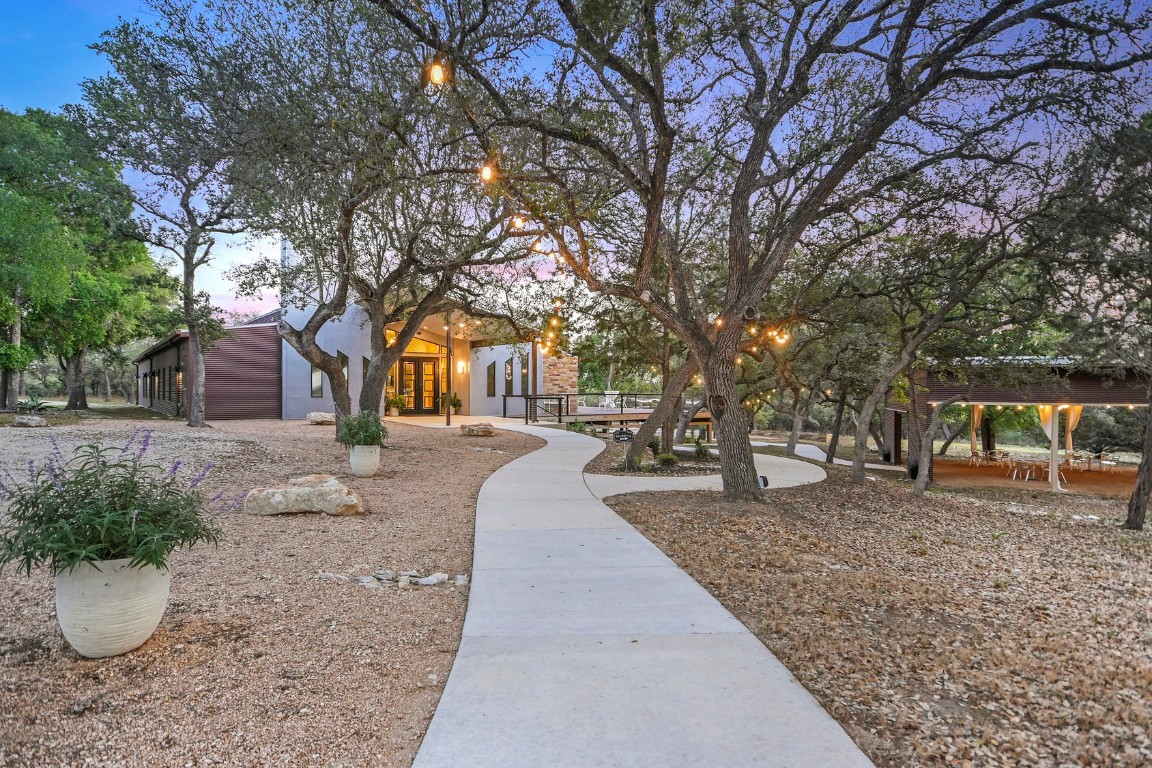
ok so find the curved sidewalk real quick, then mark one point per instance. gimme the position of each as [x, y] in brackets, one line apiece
[584, 645]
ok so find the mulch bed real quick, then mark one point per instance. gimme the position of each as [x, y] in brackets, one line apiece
[610, 461]
[1011, 628]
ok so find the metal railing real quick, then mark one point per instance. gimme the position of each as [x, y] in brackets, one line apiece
[536, 407]
[567, 404]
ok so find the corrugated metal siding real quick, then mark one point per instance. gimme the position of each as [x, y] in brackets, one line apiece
[242, 375]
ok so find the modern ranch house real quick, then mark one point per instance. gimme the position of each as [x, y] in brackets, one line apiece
[253, 373]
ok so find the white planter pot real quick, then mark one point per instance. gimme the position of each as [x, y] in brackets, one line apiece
[393, 411]
[365, 460]
[107, 608]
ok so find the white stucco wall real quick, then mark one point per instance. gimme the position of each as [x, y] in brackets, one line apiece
[351, 335]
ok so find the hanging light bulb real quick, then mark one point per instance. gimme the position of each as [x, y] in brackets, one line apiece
[518, 221]
[437, 71]
[488, 171]
[555, 322]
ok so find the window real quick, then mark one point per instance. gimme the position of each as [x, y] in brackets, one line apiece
[343, 360]
[508, 376]
[492, 379]
[523, 379]
[317, 382]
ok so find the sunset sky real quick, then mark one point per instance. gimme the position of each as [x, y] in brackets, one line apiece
[44, 56]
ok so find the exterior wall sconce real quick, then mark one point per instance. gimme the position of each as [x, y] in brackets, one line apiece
[460, 366]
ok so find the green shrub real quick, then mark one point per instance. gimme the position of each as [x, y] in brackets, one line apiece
[701, 451]
[576, 426]
[102, 504]
[362, 429]
[667, 459]
[654, 445]
[394, 401]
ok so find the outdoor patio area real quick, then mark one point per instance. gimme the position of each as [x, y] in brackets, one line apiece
[1109, 481]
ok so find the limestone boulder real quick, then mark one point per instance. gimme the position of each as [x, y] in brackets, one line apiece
[483, 429]
[29, 421]
[312, 493]
[319, 417]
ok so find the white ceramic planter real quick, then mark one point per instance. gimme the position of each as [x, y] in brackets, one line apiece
[393, 411]
[107, 608]
[365, 460]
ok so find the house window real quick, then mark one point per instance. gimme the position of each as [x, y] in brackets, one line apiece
[508, 376]
[523, 379]
[492, 379]
[317, 382]
[343, 360]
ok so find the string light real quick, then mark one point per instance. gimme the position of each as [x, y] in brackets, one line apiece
[518, 221]
[488, 171]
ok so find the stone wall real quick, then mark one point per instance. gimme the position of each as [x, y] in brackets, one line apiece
[561, 375]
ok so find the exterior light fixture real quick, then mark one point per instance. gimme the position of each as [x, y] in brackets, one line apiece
[460, 367]
[437, 71]
[488, 171]
[555, 322]
[518, 221]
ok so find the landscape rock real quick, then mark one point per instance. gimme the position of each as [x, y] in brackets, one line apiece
[483, 429]
[319, 417]
[313, 493]
[29, 421]
[433, 580]
[404, 580]
[384, 575]
[462, 580]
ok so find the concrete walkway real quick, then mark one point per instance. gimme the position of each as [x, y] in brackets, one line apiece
[780, 472]
[585, 646]
[809, 451]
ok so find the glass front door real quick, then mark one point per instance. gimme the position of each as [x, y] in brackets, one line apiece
[420, 385]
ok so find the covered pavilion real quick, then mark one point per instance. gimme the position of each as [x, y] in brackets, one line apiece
[1054, 386]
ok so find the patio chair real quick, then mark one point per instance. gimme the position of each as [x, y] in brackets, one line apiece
[977, 458]
[608, 399]
[1107, 463]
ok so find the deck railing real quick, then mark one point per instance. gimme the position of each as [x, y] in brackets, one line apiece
[568, 404]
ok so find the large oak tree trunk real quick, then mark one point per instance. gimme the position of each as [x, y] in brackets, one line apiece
[673, 389]
[737, 465]
[860, 450]
[926, 438]
[15, 333]
[1138, 501]
[797, 424]
[837, 424]
[74, 381]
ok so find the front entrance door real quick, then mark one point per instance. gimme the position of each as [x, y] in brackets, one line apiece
[420, 385]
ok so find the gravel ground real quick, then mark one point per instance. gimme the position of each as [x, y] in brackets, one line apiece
[985, 628]
[269, 653]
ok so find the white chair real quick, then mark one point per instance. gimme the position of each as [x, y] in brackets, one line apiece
[608, 400]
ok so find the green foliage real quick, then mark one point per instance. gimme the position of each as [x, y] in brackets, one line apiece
[32, 404]
[1104, 430]
[667, 459]
[394, 401]
[576, 426]
[654, 445]
[364, 428]
[104, 503]
[15, 358]
[701, 451]
[453, 401]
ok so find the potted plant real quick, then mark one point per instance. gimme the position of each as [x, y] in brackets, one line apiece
[394, 403]
[455, 402]
[363, 434]
[105, 522]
